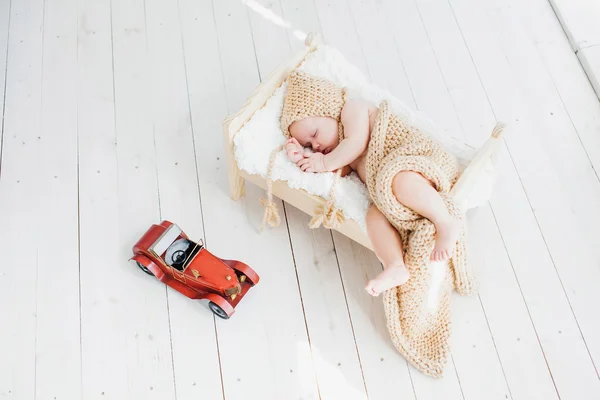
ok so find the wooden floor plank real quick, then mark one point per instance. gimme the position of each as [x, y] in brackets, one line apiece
[333, 348]
[380, 361]
[105, 368]
[124, 318]
[191, 323]
[472, 342]
[112, 117]
[301, 18]
[477, 118]
[551, 313]
[384, 62]
[566, 199]
[337, 27]
[138, 161]
[179, 195]
[431, 95]
[581, 121]
[19, 202]
[4, 28]
[566, 72]
[277, 359]
[58, 367]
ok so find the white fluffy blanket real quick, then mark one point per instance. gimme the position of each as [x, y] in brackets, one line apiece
[261, 134]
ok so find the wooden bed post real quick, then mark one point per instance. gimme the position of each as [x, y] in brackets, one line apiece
[256, 101]
[485, 156]
[236, 182]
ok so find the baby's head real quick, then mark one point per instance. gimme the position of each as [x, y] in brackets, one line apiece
[311, 112]
[320, 133]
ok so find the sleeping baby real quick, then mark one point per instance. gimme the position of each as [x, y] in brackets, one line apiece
[405, 171]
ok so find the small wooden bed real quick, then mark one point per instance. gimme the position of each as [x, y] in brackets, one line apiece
[469, 179]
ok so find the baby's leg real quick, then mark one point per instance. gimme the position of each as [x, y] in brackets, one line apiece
[417, 193]
[388, 248]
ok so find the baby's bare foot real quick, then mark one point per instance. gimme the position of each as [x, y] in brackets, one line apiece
[390, 277]
[446, 236]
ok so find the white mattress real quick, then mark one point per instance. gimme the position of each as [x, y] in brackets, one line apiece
[261, 134]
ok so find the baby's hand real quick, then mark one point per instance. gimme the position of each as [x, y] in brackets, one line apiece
[295, 151]
[313, 163]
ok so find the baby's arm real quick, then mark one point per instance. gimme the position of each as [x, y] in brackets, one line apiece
[355, 119]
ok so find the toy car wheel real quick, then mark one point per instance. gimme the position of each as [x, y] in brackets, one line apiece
[143, 268]
[217, 310]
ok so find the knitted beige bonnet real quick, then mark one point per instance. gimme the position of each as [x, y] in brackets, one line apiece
[308, 96]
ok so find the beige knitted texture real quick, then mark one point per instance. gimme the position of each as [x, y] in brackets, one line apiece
[310, 96]
[418, 329]
[307, 96]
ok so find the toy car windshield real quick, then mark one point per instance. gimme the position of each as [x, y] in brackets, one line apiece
[175, 250]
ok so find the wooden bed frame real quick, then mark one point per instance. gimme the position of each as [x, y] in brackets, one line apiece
[300, 198]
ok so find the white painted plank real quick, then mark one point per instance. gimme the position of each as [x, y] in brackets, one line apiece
[19, 202]
[550, 311]
[192, 324]
[386, 68]
[574, 185]
[58, 361]
[579, 19]
[268, 27]
[233, 49]
[337, 27]
[565, 72]
[427, 83]
[385, 371]
[204, 84]
[138, 192]
[277, 360]
[302, 19]
[521, 359]
[332, 344]
[4, 26]
[572, 113]
[590, 60]
[105, 311]
[514, 334]
[471, 337]
[332, 340]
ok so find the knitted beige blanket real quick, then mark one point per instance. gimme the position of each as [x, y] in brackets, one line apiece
[418, 312]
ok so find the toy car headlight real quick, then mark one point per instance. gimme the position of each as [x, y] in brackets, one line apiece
[234, 290]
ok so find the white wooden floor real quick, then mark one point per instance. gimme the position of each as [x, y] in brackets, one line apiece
[111, 121]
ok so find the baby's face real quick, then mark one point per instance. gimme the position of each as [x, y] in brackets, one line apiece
[320, 133]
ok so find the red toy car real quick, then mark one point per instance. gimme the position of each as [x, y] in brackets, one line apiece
[167, 253]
